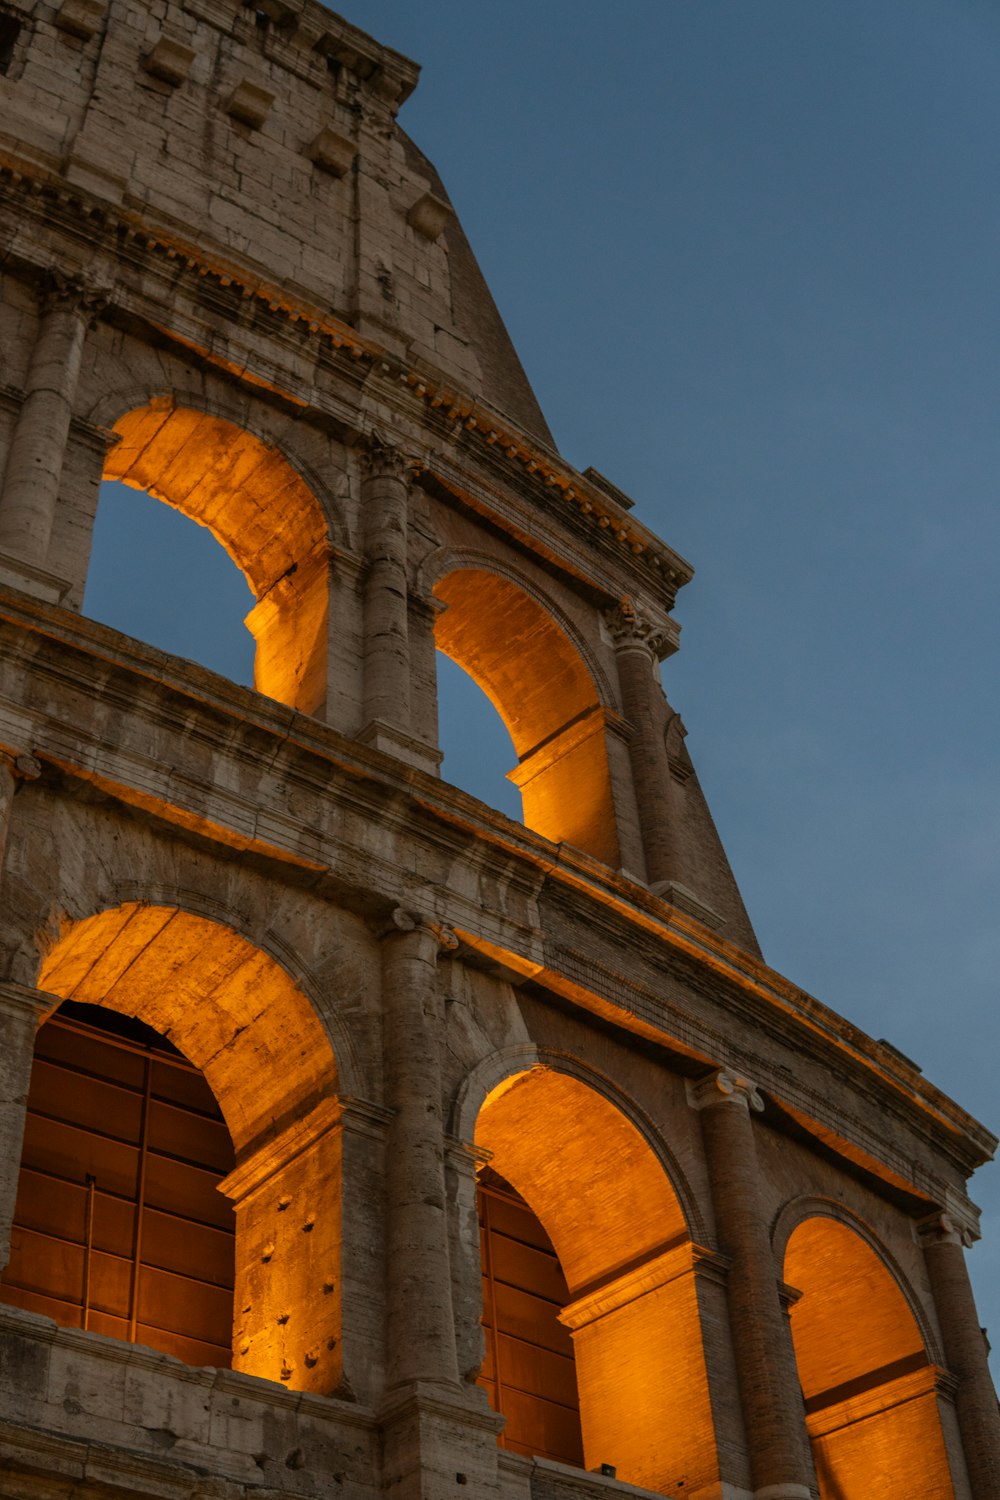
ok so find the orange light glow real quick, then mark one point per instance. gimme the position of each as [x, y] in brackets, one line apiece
[870, 1391]
[617, 1227]
[536, 679]
[265, 516]
[240, 1019]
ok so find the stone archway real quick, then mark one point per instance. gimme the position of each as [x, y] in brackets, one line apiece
[262, 512]
[241, 1020]
[871, 1390]
[624, 1246]
[537, 679]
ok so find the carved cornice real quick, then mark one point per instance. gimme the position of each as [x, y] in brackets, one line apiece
[132, 238]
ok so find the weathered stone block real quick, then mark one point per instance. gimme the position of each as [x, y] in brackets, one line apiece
[80, 18]
[429, 215]
[334, 152]
[249, 103]
[169, 60]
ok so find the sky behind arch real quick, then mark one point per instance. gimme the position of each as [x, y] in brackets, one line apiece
[748, 255]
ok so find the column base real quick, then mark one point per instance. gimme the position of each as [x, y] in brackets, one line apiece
[17, 574]
[435, 1437]
[402, 746]
[783, 1492]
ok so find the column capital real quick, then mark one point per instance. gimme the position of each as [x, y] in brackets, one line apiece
[634, 629]
[944, 1229]
[381, 458]
[73, 293]
[403, 921]
[21, 765]
[725, 1087]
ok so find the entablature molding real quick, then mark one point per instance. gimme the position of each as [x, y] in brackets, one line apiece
[121, 239]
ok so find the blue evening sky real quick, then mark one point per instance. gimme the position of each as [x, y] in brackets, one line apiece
[748, 251]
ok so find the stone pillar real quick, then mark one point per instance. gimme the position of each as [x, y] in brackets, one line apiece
[287, 1302]
[420, 1328]
[38, 447]
[770, 1394]
[638, 645]
[21, 1011]
[965, 1351]
[385, 505]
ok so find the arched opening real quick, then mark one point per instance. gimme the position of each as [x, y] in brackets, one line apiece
[118, 1226]
[538, 682]
[870, 1389]
[615, 1226]
[156, 575]
[240, 1020]
[478, 751]
[529, 1373]
[265, 516]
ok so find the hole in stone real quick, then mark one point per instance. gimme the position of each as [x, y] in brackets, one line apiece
[10, 30]
[159, 576]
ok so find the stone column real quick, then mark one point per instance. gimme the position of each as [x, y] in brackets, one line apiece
[37, 450]
[21, 1011]
[638, 645]
[965, 1351]
[420, 1328]
[770, 1394]
[385, 502]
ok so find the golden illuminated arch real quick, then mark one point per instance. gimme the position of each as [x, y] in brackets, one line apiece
[228, 1006]
[262, 512]
[620, 1235]
[870, 1390]
[536, 678]
[239, 1017]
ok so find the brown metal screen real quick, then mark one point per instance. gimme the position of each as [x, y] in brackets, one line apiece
[118, 1225]
[528, 1373]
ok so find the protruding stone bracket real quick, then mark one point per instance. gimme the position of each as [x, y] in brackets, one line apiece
[331, 151]
[725, 1087]
[429, 216]
[80, 18]
[169, 60]
[249, 103]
